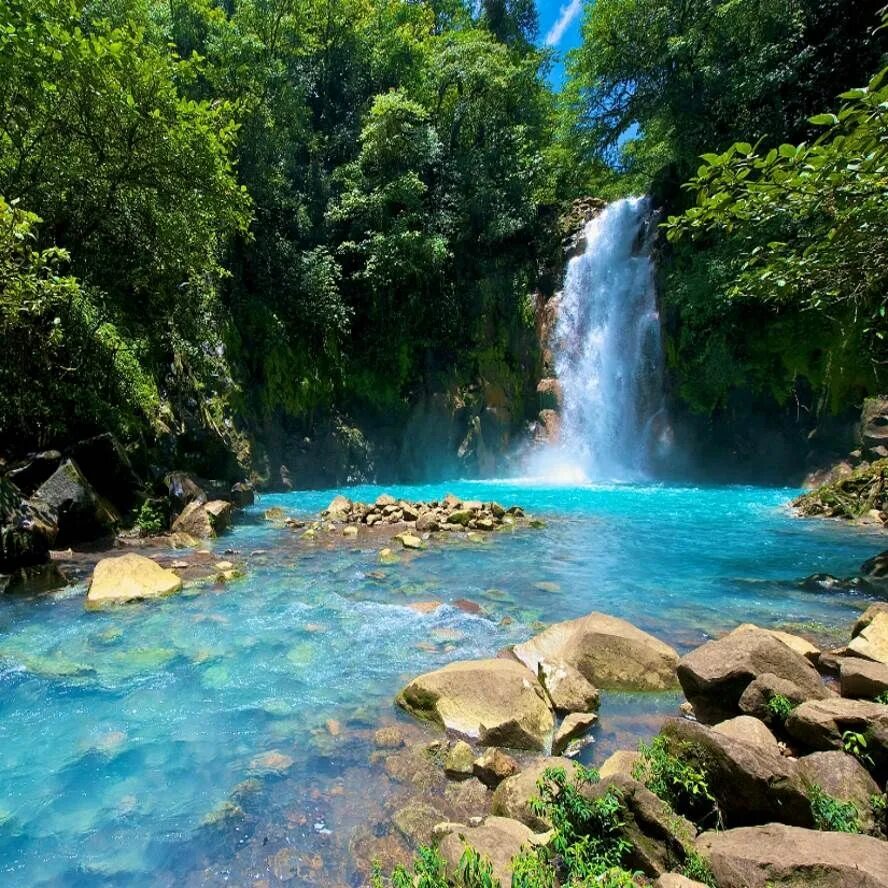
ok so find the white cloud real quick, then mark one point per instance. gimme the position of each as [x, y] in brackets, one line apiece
[566, 16]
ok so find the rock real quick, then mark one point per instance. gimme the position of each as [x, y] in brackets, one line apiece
[385, 499]
[607, 651]
[460, 517]
[350, 530]
[27, 529]
[880, 607]
[841, 776]
[387, 556]
[715, 675]
[751, 783]
[408, 510]
[409, 541]
[416, 821]
[749, 730]
[876, 568]
[676, 880]
[203, 520]
[862, 678]
[820, 724]
[575, 725]
[182, 489]
[780, 856]
[754, 700]
[389, 737]
[872, 641]
[425, 607]
[129, 578]
[620, 762]
[497, 839]
[106, 465]
[513, 796]
[427, 522]
[28, 475]
[550, 394]
[80, 513]
[243, 494]
[567, 689]
[339, 508]
[494, 766]
[460, 760]
[657, 838]
[800, 645]
[874, 422]
[496, 702]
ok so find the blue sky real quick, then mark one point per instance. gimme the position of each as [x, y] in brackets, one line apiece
[560, 28]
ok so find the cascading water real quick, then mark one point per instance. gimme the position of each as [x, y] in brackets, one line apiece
[608, 354]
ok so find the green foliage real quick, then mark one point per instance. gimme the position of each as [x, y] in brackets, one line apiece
[672, 775]
[831, 814]
[856, 743]
[696, 868]
[780, 707]
[882, 698]
[150, 520]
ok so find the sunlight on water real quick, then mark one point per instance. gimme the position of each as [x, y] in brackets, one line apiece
[129, 736]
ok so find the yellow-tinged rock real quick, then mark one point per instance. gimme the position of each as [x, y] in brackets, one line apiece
[129, 578]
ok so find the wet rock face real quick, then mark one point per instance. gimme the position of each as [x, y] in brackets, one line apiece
[789, 857]
[496, 702]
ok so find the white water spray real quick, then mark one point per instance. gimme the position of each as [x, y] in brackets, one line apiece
[608, 354]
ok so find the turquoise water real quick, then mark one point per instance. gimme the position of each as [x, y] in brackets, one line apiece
[127, 736]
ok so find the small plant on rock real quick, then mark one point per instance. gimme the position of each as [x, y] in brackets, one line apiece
[678, 782]
[780, 707]
[882, 698]
[855, 743]
[150, 520]
[697, 869]
[832, 815]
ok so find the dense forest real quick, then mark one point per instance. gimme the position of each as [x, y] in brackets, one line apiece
[228, 225]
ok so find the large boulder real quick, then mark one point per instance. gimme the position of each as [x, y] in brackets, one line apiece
[872, 640]
[339, 508]
[27, 529]
[657, 839]
[203, 520]
[105, 463]
[607, 651]
[822, 725]
[715, 675]
[567, 689]
[129, 578]
[862, 678]
[496, 839]
[513, 796]
[842, 777]
[80, 513]
[880, 607]
[751, 783]
[182, 489]
[800, 645]
[749, 730]
[780, 856]
[495, 702]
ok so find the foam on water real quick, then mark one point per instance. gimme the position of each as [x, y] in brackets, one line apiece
[125, 732]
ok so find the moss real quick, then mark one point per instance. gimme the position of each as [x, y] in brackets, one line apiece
[851, 496]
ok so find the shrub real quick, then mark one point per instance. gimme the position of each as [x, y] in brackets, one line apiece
[831, 814]
[855, 743]
[150, 519]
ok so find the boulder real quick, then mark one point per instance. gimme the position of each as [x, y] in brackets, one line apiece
[427, 522]
[800, 645]
[497, 839]
[459, 761]
[607, 651]
[715, 675]
[754, 700]
[496, 702]
[821, 724]
[243, 494]
[27, 529]
[106, 465]
[385, 499]
[780, 856]
[862, 678]
[575, 725]
[493, 766]
[129, 578]
[843, 777]
[880, 607]
[567, 689]
[410, 541]
[80, 513]
[182, 489]
[513, 796]
[751, 783]
[203, 520]
[29, 474]
[339, 508]
[676, 880]
[875, 569]
[749, 730]
[657, 839]
[622, 761]
[872, 641]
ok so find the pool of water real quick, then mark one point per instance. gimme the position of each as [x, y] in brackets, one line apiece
[190, 741]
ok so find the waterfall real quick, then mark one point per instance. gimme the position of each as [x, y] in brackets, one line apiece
[608, 353]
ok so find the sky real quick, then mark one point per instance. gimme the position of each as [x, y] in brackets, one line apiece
[560, 29]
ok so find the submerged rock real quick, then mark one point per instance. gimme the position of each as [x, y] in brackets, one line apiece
[779, 856]
[608, 652]
[496, 702]
[129, 578]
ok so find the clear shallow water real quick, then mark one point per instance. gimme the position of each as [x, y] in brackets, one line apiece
[124, 734]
